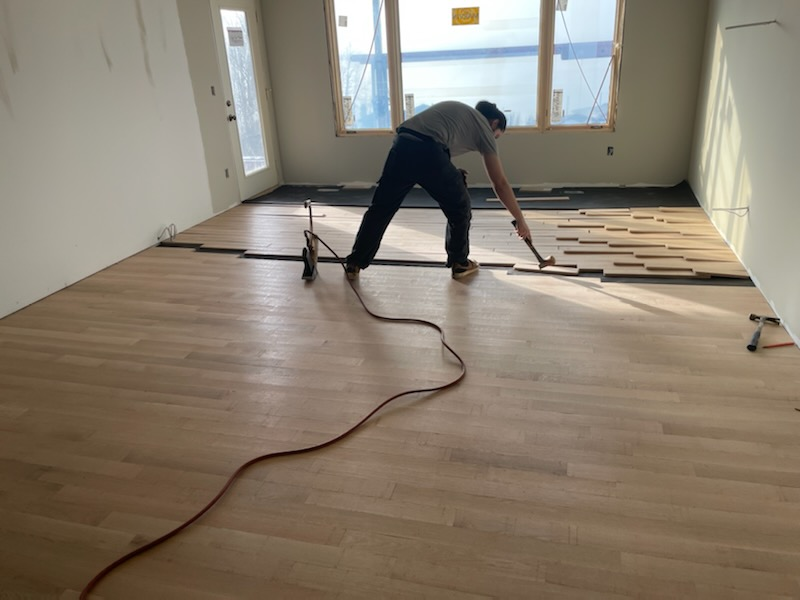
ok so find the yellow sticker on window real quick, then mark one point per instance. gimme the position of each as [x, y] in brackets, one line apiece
[466, 16]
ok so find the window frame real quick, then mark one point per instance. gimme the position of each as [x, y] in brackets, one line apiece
[545, 72]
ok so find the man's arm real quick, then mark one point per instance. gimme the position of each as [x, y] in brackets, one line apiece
[494, 168]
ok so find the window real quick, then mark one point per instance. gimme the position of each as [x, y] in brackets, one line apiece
[549, 64]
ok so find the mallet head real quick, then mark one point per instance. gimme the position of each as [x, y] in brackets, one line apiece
[549, 261]
[775, 320]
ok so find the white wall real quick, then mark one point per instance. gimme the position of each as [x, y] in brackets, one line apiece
[201, 53]
[660, 74]
[745, 148]
[99, 140]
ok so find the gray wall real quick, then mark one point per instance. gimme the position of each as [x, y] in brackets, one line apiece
[99, 139]
[745, 147]
[660, 70]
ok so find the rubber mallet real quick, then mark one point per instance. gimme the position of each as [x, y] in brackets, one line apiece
[757, 333]
[543, 262]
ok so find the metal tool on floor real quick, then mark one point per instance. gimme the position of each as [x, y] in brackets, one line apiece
[543, 262]
[753, 345]
[310, 252]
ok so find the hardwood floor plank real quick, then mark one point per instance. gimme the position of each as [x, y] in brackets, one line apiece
[415, 234]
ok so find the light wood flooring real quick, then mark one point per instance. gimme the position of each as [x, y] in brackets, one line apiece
[653, 243]
[610, 440]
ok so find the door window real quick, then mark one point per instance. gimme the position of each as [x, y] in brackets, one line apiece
[245, 95]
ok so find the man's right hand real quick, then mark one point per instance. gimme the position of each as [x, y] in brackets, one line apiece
[522, 229]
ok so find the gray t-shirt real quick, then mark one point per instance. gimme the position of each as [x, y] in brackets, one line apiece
[456, 125]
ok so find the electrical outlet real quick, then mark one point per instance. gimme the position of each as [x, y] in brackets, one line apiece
[610, 151]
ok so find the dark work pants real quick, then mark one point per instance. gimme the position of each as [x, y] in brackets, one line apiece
[427, 163]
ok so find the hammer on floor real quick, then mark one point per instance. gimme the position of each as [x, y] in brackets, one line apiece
[757, 333]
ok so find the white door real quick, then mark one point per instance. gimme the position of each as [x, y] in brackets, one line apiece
[247, 94]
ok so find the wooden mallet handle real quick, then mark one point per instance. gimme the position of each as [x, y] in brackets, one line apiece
[543, 262]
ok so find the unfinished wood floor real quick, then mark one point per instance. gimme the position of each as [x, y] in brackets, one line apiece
[653, 243]
[610, 440]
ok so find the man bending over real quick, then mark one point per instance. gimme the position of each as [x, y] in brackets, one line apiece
[421, 154]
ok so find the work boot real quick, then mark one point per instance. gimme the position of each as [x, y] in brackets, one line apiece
[465, 269]
[351, 271]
